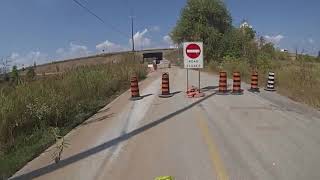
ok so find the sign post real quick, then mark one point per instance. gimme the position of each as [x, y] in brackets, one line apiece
[193, 57]
[187, 79]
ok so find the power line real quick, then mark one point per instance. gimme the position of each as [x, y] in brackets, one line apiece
[99, 18]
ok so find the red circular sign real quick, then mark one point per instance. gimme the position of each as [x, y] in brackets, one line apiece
[193, 51]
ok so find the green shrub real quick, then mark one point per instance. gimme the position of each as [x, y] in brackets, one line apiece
[61, 101]
[299, 80]
[231, 64]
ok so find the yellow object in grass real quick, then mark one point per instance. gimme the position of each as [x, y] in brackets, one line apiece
[164, 178]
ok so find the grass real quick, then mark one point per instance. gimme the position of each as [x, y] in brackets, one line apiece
[29, 110]
[296, 79]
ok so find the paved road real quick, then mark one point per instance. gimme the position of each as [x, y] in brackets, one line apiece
[252, 136]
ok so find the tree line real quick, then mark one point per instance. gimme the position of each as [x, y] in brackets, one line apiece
[210, 21]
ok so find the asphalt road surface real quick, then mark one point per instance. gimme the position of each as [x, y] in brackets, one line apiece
[251, 136]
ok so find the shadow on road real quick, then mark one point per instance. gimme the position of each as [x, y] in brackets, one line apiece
[144, 96]
[72, 159]
[95, 120]
[209, 88]
[176, 92]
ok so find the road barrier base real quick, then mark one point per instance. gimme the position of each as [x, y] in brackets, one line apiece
[254, 90]
[136, 98]
[237, 93]
[194, 92]
[222, 93]
[165, 96]
[195, 95]
[199, 95]
[272, 90]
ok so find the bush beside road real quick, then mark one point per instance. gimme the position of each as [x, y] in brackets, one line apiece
[241, 49]
[298, 80]
[28, 111]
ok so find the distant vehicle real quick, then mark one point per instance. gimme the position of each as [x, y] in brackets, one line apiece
[164, 64]
[284, 50]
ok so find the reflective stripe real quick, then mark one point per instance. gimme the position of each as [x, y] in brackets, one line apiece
[193, 51]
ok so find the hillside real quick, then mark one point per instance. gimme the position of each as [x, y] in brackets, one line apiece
[61, 66]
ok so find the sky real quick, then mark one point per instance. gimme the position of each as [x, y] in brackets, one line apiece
[51, 30]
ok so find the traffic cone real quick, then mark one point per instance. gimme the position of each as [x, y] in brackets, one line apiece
[135, 95]
[223, 86]
[165, 86]
[254, 82]
[237, 84]
[271, 83]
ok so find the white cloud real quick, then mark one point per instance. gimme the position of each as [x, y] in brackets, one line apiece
[140, 40]
[73, 51]
[168, 42]
[60, 51]
[108, 46]
[155, 28]
[28, 59]
[167, 39]
[274, 39]
[310, 40]
[14, 55]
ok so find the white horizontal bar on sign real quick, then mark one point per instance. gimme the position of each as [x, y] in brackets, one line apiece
[270, 77]
[193, 51]
[270, 82]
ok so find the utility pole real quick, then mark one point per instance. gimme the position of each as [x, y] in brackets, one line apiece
[132, 38]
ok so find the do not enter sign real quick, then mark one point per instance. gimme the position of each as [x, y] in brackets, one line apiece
[193, 55]
[193, 51]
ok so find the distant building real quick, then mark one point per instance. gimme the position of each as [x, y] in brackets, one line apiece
[284, 50]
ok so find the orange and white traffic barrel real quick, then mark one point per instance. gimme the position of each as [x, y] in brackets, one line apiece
[254, 82]
[271, 82]
[223, 86]
[135, 94]
[237, 84]
[165, 86]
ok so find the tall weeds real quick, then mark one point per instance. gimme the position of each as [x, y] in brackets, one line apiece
[298, 80]
[28, 110]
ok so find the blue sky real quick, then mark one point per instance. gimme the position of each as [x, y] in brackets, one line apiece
[46, 30]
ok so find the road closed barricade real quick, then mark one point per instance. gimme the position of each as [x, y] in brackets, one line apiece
[134, 84]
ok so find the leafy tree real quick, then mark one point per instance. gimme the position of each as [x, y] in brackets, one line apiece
[5, 65]
[31, 73]
[249, 32]
[15, 75]
[203, 20]
[238, 43]
[261, 41]
[268, 48]
[231, 44]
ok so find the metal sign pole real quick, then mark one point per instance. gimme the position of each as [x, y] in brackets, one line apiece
[187, 79]
[199, 81]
